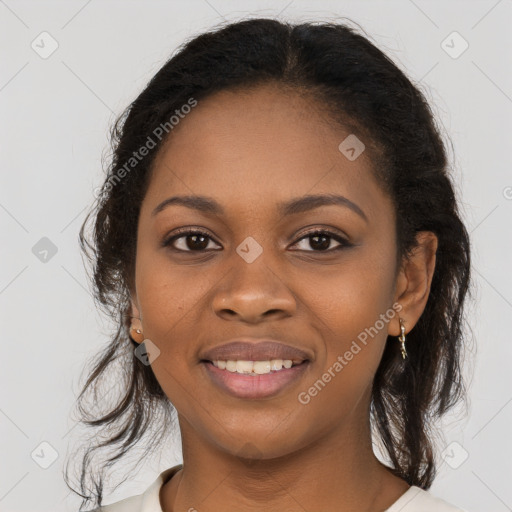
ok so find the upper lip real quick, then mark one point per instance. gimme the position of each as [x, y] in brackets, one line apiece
[254, 350]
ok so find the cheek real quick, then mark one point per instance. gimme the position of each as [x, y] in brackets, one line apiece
[167, 303]
[353, 309]
[164, 292]
[350, 297]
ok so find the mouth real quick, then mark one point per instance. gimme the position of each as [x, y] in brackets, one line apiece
[254, 379]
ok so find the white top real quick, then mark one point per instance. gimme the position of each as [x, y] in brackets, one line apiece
[414, 499]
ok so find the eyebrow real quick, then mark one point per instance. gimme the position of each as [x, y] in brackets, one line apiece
[298, 205]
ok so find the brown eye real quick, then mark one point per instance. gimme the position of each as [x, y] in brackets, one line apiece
[193, 241]
[321, 241]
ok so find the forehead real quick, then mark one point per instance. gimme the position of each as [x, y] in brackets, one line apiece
[257, 147]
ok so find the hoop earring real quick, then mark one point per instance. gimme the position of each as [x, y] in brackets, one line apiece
[401, 339]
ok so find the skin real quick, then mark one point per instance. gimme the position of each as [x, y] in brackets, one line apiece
[250, 151]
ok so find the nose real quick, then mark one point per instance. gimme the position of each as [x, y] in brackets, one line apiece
[252, 292]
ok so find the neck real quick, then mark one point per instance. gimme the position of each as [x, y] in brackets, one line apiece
[337, 472]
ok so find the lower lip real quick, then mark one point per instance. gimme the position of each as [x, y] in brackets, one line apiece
[250, 386]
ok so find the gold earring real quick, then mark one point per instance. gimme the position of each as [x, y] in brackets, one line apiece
[401, 338]
[136, 333]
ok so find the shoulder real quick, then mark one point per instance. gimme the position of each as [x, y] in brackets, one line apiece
[149, 501]
[132, 504]
[416, 499]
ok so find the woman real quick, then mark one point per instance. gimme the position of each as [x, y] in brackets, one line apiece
[279, 242]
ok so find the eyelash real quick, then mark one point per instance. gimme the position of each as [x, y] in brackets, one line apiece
[188, 232]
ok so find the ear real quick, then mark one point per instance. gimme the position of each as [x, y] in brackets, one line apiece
[135, 321]
[414, 281]
[135, 313]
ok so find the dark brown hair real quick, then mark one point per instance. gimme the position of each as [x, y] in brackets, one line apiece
[355, 83]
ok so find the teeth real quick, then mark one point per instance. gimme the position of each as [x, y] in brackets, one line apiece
[244, 366]
[261, 367]
[254, 367]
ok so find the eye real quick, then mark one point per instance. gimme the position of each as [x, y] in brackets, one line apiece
[198, 241]
[194, 241]
[321, 240]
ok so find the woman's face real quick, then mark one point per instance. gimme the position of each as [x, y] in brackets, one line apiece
[257, 275]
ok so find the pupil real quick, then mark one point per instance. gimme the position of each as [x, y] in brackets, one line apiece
[323, 245]
[195, 237]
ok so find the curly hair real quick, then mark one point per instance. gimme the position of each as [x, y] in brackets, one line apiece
[356, 85]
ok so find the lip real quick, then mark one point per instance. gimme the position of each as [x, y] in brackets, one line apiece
[247, 349]
[254, 386]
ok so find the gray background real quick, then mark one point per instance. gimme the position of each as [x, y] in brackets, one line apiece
[55, 114]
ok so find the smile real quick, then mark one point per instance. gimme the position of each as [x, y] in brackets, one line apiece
[255, 367]
[254, 379]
